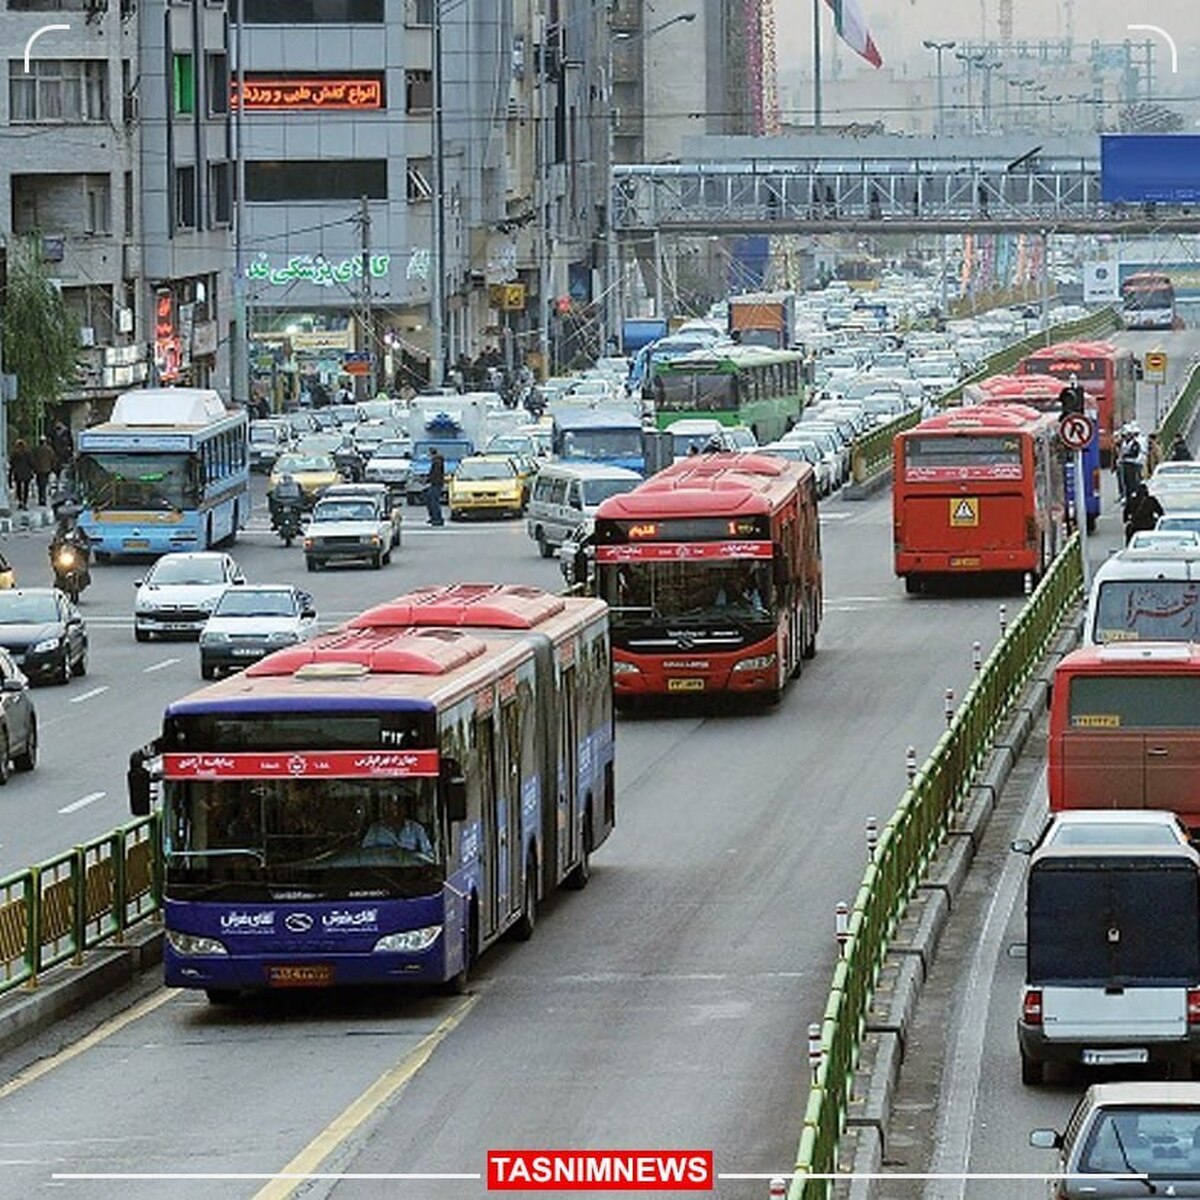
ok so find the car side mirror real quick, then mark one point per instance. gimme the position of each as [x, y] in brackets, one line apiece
[308, 612]
[1022, 846]
[137, 779]
[239, 579]
[454, 790]
[138, 582]
[13, 683]
[1045, 1139]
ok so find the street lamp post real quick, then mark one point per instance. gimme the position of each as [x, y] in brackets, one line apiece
[939, 48]
[969, 61]
[239, 365]
[987, 66]
[613, 272]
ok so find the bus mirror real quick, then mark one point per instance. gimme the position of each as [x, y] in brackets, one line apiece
[780, 569]
[137, 780]
[454, 790]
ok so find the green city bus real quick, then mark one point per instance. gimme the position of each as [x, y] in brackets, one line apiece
[738, 385]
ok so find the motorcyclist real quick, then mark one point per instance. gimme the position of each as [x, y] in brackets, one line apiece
[68, 534]
[285, 495]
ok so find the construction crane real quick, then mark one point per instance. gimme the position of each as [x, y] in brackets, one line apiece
[771, 116]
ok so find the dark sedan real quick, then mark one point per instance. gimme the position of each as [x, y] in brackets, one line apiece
[44, 633]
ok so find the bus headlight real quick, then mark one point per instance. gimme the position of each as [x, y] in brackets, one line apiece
[625, 668]
[763, 662]
[192, 944]
[409, 941]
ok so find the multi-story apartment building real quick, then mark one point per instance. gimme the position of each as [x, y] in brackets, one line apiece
[86, 133]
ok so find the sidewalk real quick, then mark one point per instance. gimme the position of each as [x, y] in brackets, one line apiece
[16, 520]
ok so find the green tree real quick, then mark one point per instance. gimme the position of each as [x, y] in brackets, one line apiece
[39, 337]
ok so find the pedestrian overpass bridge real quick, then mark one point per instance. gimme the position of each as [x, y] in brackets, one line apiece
[879, 195]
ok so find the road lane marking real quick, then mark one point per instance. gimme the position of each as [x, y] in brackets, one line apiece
[166, 662]
[83, 802]
[96, 691]
[359, 1111]
[962, 1074]
[98, 1035]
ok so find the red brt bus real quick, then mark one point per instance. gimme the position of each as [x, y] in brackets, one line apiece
[977, 489]
[1103, 370]
[712, 573]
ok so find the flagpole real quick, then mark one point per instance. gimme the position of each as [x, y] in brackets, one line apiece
[816, 66]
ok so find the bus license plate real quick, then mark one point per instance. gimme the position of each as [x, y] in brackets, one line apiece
[965, 560]
[1112, 1058]
[298, 975]
[137, 543]
[685, 685]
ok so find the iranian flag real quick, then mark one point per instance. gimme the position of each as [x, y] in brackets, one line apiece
[852, 29]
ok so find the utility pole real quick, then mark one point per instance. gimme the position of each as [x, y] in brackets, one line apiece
[367, 319]
[939, 48]
[543, 203]
[239, 367]
[816, 43]
[437, 274]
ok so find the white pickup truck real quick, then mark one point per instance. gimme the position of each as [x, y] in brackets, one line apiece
[349, 529]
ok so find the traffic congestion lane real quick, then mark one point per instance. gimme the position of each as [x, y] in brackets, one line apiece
[666, 1005]
[89, 727]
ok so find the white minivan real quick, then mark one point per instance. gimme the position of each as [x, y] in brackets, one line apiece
[563, 495]
[1145, 595]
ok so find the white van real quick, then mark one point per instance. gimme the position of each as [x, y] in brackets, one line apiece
[563, 495]
[1145, 595]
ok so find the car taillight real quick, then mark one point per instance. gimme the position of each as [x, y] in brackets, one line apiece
[1193, 1006]
[1031, 1006]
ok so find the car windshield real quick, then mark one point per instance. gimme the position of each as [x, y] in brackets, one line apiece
[602, 443]
[265, 433]
[321, 443]
[472, 472]
[596, 491]
[1162, 1142]
[23, 609]
[513, 445]
[241, 602]
[294, 463]
[393, 450]
[185, 569]
[344, 510]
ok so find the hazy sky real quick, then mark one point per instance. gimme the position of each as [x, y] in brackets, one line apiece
[899, 26]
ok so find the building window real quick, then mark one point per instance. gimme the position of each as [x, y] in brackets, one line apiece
[97, 194]
[129, 204]
[50, 5]
[70, 91]
[420, 172]
[418, 91]
[217, 78]
[313, 12]
[319, 179]
[420, 12]
[185, 197]
[183, 84]
[220, 191]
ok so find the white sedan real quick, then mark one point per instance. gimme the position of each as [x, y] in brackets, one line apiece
[177, 595]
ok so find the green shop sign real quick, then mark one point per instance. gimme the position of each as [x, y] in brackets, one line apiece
[309, 268]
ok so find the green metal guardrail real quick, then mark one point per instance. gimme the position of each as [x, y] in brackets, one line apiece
[872, 455]
[905, 848]
[1179, 417]
[56, 910]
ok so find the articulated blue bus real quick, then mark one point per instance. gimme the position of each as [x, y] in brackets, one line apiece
[381, 804]
[169, 471]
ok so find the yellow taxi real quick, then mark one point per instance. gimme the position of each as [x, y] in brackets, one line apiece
[313, 472]
[486, 483]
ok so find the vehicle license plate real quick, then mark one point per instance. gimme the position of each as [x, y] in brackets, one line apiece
[300, 975]
[966, 560]
[137, 543]
[245, 652]
[178, 627]
[685, 685]
[1109, 1058]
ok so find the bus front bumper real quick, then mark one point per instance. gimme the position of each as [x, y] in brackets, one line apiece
[755, 671]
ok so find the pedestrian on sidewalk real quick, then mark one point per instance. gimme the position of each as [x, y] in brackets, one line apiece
[433, 489]
[20, 471]
[44, 462]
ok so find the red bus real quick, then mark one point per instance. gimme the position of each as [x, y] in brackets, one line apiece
[1103, 370]
[712, 573]
[977, 489]
[1042, 392]
[1125, 729]
[380, 804]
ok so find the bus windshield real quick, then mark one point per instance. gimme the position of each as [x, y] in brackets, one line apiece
[689, 593]
[131, 481]
[300, 832]
[993, 457]
[1162, 610]
[602, 443]
[1156, 294]
[695, 391]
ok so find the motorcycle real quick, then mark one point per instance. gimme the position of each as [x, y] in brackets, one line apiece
[285, 520]
[70, 561]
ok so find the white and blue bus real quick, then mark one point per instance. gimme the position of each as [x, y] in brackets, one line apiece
[169, 471]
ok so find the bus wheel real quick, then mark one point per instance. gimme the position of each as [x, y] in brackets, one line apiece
[522, 931]
[1091, 522]
[221, 996]
[809, 649]
[577, 880]
[913, 585]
